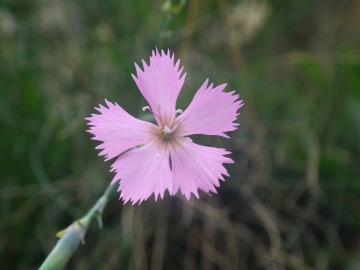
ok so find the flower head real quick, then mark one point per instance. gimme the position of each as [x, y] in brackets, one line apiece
[162, 156]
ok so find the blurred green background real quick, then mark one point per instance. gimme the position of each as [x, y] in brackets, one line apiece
[293, 198]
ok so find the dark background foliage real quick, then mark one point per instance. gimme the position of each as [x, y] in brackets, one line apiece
[293, 198]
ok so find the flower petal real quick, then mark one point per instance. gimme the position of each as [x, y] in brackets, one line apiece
[211, 112]
[160, 83]
[195, 166]
[143, 171]
[118, 130]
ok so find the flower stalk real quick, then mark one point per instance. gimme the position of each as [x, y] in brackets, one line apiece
[71, 236]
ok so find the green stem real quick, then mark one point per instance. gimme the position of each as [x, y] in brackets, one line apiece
[71, 236]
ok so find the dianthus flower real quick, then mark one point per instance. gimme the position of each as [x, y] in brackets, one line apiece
[152, 158]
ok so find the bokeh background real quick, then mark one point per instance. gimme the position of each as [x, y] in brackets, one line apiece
[293, 198]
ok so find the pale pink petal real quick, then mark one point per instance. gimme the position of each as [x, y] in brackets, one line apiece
[160, 83]
[118, 130]
[211, 112]
[196, 167]
[143, 171]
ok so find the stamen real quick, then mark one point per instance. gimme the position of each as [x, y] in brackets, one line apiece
[169, 130]
[157, 115]
[179, 111]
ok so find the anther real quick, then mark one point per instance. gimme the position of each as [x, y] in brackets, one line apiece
[146, 108]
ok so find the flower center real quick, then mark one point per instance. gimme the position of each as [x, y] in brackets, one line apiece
[166, 132]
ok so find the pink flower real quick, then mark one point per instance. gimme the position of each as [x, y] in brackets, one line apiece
[162, 156]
